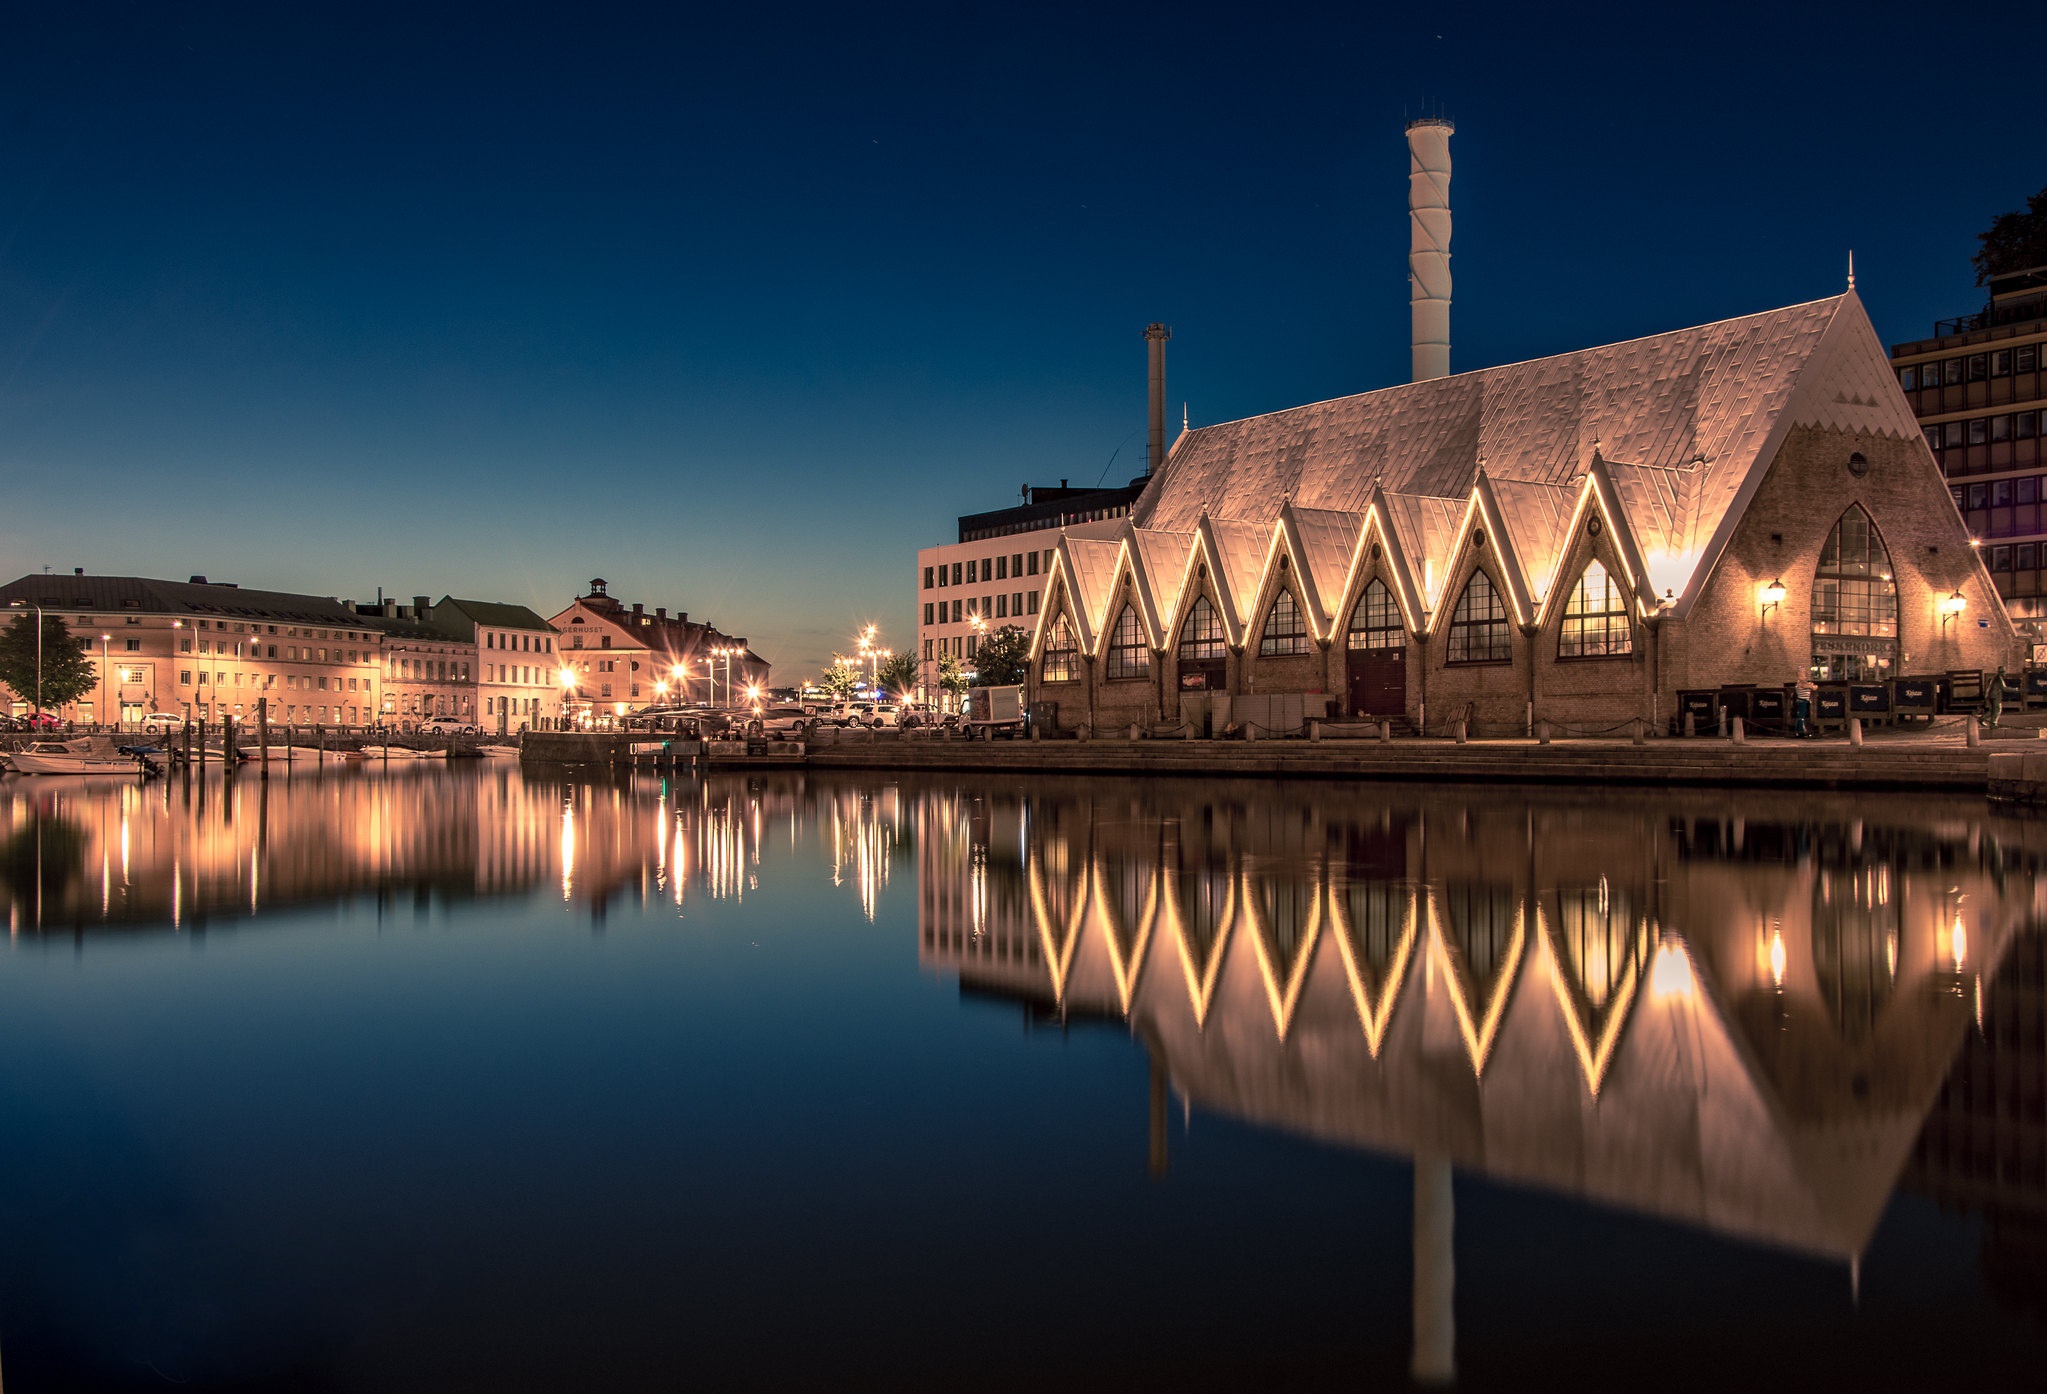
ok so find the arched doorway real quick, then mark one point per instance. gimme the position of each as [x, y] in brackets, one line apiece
[1377, 655]
[1854, 605]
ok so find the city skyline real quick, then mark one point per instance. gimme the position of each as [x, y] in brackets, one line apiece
[324, 305]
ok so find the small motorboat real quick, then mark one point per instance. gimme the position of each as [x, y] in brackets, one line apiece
[498, 752]
[313, 755]
[429, 754]
[74, 757]
[389, 753]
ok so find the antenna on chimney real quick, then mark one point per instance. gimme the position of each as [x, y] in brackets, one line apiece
[1428, 256]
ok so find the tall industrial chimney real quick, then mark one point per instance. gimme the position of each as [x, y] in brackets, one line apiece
[1156, 335]
[1428, 251]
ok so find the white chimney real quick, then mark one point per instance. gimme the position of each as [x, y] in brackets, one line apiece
[1428, 254]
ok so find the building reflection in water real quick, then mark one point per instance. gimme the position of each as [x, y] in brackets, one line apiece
[1644, 1001]
[1652, 1002]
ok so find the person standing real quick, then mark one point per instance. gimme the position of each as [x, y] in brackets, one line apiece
[1993, 700]
[1801, 706]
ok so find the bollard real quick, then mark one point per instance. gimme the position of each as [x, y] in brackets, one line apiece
[1855, 730]
[1542, 733]
[1133, 730]
[1972, 732]
[1636, 734]
[1036, 734]
[1691, 724]
[1314, 730]
[1460, 731]
[263, 734]
[1737, 733]
[1250, 730]
[1385, 732]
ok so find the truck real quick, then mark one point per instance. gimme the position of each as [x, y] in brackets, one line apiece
[995, 711]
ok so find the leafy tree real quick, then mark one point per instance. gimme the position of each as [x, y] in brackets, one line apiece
[2014, 241]
[1003, 658]
[67, 668]
[839, 681]
[951, 676]
[899, 674]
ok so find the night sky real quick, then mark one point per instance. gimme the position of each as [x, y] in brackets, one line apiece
[738, 307]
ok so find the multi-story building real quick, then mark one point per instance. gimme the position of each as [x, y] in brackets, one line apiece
[619, 658]
[518, 683]
[993, 575]
[208, 650]
[1979, 389]
[429, 669]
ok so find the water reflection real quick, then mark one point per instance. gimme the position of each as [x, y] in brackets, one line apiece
[1748, 1015]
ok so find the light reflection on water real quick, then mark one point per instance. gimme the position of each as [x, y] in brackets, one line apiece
[1747, 1016]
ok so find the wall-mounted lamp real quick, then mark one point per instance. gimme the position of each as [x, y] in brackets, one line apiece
[1952, 607]
[1771, 596]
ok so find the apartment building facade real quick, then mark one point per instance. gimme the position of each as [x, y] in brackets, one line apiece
[210, 650]
[619, 657]
[1979, 389]
[995, 573]
[518, 685]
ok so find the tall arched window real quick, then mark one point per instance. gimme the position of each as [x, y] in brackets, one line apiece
[1202, 635]
[1284, 632]
[1854, 605]
[1478, 626]
[1060, 661]
[1595, 618]
[1129, 655]
[1375, 620]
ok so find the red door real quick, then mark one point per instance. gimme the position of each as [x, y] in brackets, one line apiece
[1378, 682]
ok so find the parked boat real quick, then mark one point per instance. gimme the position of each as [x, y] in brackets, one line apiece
[314, 755]
[391, 753]
[498, 752]
[430, 754]
[73, 757]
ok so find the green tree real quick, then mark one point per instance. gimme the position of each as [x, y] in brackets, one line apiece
[899, 674]
[1003, 658]
[952, 678]
[67, 668]
[838, 680]
[2014, 241]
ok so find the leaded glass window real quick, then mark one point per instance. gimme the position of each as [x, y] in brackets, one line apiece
[1854, 604]
[1129, 655]
[1285, 632]
[1202, 635]
[1060, 661]
[1375, 620]
[1478, 626]
[1595, 618]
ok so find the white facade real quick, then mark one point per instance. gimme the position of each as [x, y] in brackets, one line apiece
[998, 580]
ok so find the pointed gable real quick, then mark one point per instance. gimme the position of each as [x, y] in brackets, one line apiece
[1327, 542]
[1537, 519]
[1091, 566]
[1240, 549]
[1162, 561]
[1427, 530]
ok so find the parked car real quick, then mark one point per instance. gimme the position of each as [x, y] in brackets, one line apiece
[448, 726]
[34, 721]
[922, 714]
[782, 723]
[163, 723]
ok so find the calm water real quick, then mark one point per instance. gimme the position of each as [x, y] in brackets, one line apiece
[480, 1079]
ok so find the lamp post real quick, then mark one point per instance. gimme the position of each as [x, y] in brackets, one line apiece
[106, 687]
[567, 677]
[680, 672]
[18, 604]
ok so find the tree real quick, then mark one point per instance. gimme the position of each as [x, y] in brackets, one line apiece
[2014, 241]
[67, 669]
[838, 680]
[951, 677]
[1003, 658]
[899, 674]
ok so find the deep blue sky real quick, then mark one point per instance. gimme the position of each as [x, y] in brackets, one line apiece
[739, 307]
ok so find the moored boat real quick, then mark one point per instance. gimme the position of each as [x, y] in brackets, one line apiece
[498, 752]
[389, 752]
[73, 757]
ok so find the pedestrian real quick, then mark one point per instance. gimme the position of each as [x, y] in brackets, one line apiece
[1993, 700]
[1801, 707]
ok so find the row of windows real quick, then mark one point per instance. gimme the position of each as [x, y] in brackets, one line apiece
[520, 643]
[1596, 624]
[1001, 607]
[425, 670]
[1061, 520]
[524, 673]
[979, 569]
[1984, 430]
[293, 682]
[1998, 493]
[1975, 367]
[290, 653]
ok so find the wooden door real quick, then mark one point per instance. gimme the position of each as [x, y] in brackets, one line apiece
[1378, 682]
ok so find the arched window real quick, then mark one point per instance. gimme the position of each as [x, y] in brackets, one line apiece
[1060, 661]
[1284, 631]
[1129, 655]
[1478, 626]
[1202, 635]
[1854, 605]
[1595, 618]
[1375, 620]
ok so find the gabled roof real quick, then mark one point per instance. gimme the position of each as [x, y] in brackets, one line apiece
[492, 614]
[140, 594]
[1714, 393]
[1327, 542]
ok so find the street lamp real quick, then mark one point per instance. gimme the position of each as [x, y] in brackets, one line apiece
[680, 672]
[106, 688]
[18, 604]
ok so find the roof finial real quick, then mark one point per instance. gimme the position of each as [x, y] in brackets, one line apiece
[1183, 416]
[1851, 268]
